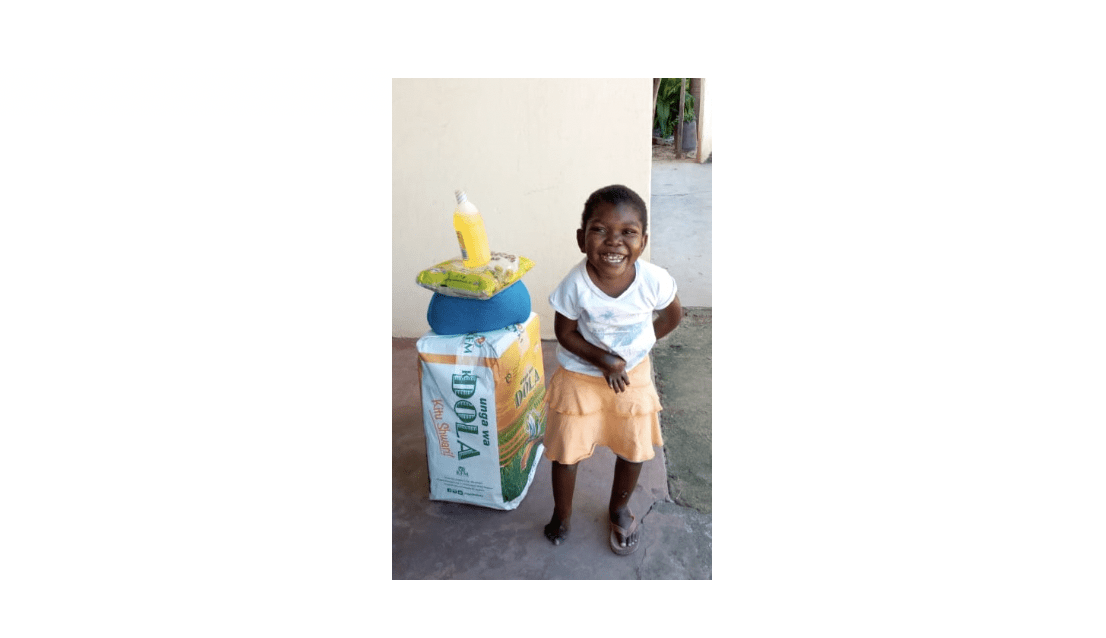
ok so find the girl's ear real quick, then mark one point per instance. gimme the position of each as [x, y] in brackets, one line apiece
[644, 240]
[580, 239]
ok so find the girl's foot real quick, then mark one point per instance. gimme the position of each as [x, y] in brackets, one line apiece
[624, 532]
[556, 531]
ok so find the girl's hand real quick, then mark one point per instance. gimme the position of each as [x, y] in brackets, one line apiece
[614, 370]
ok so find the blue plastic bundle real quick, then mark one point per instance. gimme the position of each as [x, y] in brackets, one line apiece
[448, 315]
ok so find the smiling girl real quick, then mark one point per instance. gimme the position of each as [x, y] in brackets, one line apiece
[602, 393]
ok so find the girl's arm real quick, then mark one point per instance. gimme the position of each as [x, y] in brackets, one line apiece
[668, 318]
[612, 365]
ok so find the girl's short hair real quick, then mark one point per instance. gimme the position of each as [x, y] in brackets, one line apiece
[615, 194]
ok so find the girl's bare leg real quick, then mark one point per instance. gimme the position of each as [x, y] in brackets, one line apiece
[625, 480]
[564, 485]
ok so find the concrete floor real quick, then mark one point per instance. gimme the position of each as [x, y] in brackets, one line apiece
[680, 227]
[443, 540]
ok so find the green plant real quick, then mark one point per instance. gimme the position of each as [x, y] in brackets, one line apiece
[668, 105]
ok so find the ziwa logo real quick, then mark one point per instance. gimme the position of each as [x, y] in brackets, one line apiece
[464, 384]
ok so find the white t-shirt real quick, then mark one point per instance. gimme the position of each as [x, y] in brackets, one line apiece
[623, 325]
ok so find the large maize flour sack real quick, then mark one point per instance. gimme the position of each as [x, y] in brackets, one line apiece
[483, 401]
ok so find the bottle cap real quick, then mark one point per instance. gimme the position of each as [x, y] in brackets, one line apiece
[461, 197]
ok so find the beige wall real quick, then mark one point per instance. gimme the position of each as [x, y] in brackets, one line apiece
[527, 152]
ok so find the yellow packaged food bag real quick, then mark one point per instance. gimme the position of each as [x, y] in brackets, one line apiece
[452, 278]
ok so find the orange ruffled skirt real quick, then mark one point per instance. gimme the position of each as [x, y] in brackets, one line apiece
[584, 412]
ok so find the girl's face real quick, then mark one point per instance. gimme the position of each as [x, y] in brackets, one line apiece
[613, 239]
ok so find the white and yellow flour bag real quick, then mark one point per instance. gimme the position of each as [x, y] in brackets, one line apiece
[483, 402]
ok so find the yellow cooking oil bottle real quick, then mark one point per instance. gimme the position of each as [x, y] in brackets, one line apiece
[470, 233]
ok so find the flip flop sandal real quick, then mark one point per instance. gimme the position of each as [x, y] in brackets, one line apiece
[616, 530]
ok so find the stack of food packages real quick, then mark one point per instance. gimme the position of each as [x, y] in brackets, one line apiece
[482, 380]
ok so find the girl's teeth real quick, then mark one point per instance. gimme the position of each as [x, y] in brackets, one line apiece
[614, 259]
